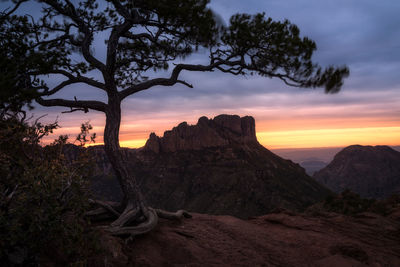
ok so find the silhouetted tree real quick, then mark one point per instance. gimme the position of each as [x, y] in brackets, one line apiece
[143, 37]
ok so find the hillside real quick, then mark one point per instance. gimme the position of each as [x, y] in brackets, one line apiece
[216, 167]
[371, 171]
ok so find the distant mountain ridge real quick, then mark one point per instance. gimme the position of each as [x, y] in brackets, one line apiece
[217, 167]
[312, 166]
[298, 155]
[371, 171]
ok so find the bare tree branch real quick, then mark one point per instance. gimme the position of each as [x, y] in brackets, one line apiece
[72, 79]
[173, 79]
[86, 110]
[82, 104]
[7, 13]
[185, 83]
[59, 87]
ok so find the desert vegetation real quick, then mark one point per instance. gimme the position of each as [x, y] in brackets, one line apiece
[43, 199]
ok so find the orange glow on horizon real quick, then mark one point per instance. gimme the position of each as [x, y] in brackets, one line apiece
[273, 133]
[133, 143]
[314, 138]
[330, 137]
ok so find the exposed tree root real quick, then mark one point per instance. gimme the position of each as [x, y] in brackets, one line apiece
[96, 212]
[133, 220]
[142, 228]
[103, 213]
[109, 206]
[173, 215]
[128, 216]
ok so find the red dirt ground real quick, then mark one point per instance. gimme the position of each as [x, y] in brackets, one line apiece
[277, 239]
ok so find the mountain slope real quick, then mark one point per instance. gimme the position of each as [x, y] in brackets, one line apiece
[371, 171]
[217, 167]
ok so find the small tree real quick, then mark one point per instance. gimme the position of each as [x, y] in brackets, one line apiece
[144, 36]
[42, 199]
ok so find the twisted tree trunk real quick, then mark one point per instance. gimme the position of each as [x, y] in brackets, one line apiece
[132, 204]
[130, 189]
[132, 216]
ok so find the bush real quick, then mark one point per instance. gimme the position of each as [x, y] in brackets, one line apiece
[42, 199]
[386, 206]
[350, 203]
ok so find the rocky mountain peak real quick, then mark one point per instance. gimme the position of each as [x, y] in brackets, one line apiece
[221, 131]
[371, 171]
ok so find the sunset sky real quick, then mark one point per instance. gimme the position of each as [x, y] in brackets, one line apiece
[363, 34]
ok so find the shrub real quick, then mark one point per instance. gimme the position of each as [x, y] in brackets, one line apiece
[42, 199]
[350, 203]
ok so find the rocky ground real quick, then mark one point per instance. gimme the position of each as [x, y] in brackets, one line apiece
[276, 239]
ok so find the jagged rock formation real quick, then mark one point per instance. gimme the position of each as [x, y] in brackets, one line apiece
[217, 167]
[371, 171]
[221, 131]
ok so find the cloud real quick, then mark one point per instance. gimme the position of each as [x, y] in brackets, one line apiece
[362, 34]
